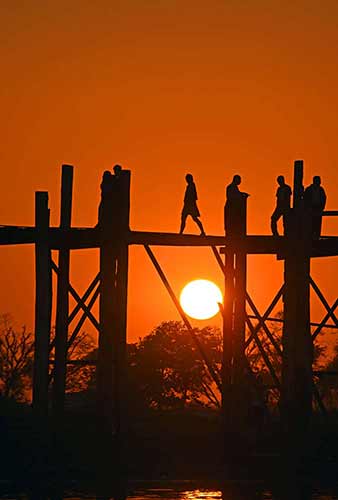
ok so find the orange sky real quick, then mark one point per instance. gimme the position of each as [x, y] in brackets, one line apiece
[164, 88]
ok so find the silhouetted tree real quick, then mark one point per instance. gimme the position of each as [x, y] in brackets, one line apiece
[16, 359]
[167, 371]
[260, 369]
[328, 384]
[17, 355]
[79, 377]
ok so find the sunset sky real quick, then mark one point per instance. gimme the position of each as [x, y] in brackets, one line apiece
[164, 88]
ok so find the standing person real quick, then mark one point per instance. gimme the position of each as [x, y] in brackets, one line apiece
[235, 208]
[190, 205]
[110, 190]
[106, 197]
[315, 200]
[282, 209]
[117, 171]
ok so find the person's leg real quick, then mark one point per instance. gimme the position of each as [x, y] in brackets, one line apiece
[199, 223]
[274, 219]
[183, 221]
[286, 216]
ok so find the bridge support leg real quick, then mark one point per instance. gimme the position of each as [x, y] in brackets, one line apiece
[296, 397]
[234, 397]
[43, 304]
[111, 364]
[62, 302]
[296, 394]
[240, 381]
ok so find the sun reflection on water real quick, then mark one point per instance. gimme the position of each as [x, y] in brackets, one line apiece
[201, 494]
[172, 494]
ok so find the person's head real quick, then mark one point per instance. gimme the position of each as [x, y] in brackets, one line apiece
[316, 180]
[237, 180]
[281, 180]
[106, 176]
[189, 178]
[117, 169]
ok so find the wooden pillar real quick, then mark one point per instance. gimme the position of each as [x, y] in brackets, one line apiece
[234, 366]
[241, 398]
[121, 304]
[43, 303]
[113, 310]
[62, 305]
[228, 331]
[296, 396]
[240, 301]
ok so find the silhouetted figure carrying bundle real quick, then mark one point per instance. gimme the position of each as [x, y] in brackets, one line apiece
[235, 208]
[282, 209]
[190, 205]
[315, 200]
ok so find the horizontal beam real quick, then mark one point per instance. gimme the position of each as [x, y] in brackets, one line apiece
[330, 213]
[82, 238]
[249, 244]
[16, 235]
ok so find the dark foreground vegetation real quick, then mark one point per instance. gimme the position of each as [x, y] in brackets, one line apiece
[158, 445]
[173, 425]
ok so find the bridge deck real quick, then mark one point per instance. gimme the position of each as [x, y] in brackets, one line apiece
[82, 238]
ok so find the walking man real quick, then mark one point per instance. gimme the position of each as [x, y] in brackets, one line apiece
[282, 209]
[190, 205]
[315, 200]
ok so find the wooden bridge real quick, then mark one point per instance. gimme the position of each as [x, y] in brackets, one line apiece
[110, 285]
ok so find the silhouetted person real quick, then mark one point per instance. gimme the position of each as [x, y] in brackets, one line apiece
[117, 171]
[234, 209]
[190, 205]
[110, 196]
[282, 209]
[106, 197]
[315, 200]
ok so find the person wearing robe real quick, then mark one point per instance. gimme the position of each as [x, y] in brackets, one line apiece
[315, 201]
[190, 205]
[235, 208]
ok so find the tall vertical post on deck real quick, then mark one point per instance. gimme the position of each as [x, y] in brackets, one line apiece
[296, 396]
[239, 362]
[111, 367]
[62, 303]
[233, 369]
[121, 304]
[43, 304]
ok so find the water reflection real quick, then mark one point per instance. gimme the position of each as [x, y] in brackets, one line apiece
[235, 491]
[201, 494]
[229, 491]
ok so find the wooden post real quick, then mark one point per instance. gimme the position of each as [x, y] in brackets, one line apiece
[234, 365]
[228, 311]
[43, 303]
[240, 374]
[121, 306]
[298, 188]
[62, 305]
[111, 368]
[296, 396]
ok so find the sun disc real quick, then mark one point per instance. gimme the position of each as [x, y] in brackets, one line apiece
[200, 299]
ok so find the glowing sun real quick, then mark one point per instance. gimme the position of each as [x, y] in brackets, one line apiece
[200, 298]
